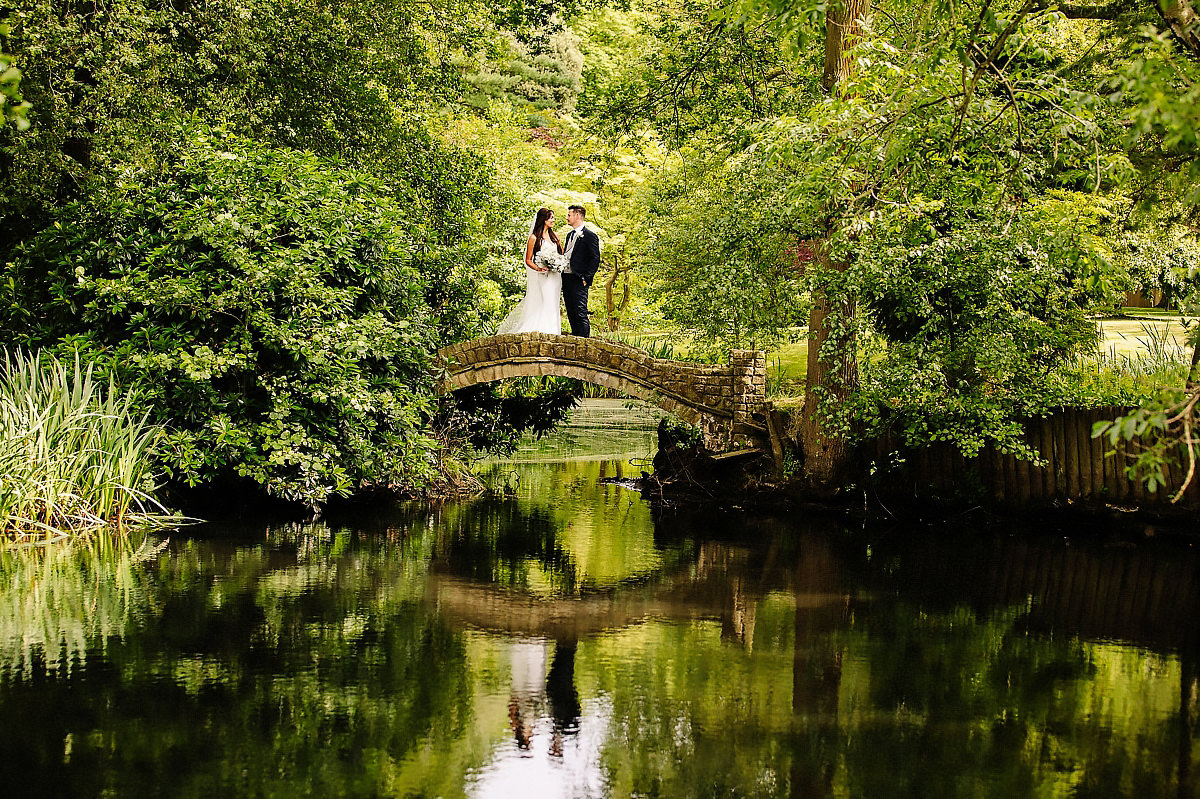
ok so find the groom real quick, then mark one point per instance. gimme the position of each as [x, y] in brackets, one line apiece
[583, 257]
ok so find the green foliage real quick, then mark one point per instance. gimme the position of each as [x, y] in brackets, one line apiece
[1117, 377]
[276, 310]
[673, 433]
[142, 618]
[13, 109]
[719, 256]
[615, 40]
[1165, 259]
[527, 79]
[532, 21]
[963, 257]
[1163, 429]
[619, 176]
[344, 78]
[1161, 89]
[680, 69]
[964, 326]
[1149, 424]
[76, 454]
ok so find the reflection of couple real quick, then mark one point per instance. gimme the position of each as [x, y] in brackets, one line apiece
[538, 312]
[530, 695]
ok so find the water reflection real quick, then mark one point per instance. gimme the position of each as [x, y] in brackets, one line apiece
[556, 741]
[559, 640]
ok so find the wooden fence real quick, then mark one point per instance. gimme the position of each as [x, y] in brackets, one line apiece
[1075, 467]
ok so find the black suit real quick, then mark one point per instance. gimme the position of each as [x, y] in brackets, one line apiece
[585, 260]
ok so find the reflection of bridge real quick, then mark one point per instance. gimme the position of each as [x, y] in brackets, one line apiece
[726, 402]
[712, 587]
[1095, 592]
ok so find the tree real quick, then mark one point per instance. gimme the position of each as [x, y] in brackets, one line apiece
[718, 253]
[832, 368]
[941, 201]
[347, 79]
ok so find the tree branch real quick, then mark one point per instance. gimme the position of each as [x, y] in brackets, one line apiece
[1109, 12]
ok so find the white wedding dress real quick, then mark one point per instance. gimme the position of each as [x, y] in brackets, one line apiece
[539, 311]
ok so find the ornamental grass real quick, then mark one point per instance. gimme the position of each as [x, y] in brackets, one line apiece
[74, 454]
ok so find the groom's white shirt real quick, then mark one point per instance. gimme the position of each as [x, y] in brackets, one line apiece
[578, 231]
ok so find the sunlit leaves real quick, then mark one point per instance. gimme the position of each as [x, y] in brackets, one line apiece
[13, 109]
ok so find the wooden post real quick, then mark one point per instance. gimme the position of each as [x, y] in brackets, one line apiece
[1038, 473]
[1060, 452]
[776, 435]
[1124, 487]
[1021, 475]
[1112, 477]
[1083, 443]
[1172, 477]
[1071, 451]
[1010, 478]
[1096, 456]
[921, 479]
[997, 476]
[1137, 487]
[1048, 452]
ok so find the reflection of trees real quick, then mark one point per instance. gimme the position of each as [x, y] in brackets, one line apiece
[939, 685]
[256, 676]
[760, 661]
[497, 542]
[1189, 710]
[817, 666]
[553, 536]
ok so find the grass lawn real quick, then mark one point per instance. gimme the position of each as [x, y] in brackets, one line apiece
[786, 368]
[1137, 331]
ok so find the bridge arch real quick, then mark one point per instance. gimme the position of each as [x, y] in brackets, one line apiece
[725, 401]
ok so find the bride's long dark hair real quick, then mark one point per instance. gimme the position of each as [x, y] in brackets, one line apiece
[539, 230]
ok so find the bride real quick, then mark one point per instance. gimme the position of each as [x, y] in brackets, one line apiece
[539, 311]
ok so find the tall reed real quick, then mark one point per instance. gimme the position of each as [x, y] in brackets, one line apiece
[74, 454]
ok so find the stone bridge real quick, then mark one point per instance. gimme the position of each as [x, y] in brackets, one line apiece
[726, 402]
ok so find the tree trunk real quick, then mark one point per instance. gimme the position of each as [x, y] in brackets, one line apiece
[616, 310]
[843, 25]
[832, 374]
[830, 378]
[1181, 18]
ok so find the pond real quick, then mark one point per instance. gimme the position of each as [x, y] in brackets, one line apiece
[557, 638]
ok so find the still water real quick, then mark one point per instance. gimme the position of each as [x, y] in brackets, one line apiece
[558, 639]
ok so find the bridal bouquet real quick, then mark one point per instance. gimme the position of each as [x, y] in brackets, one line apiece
[555, 262]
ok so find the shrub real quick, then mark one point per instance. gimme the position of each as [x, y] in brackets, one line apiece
[277, 311]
